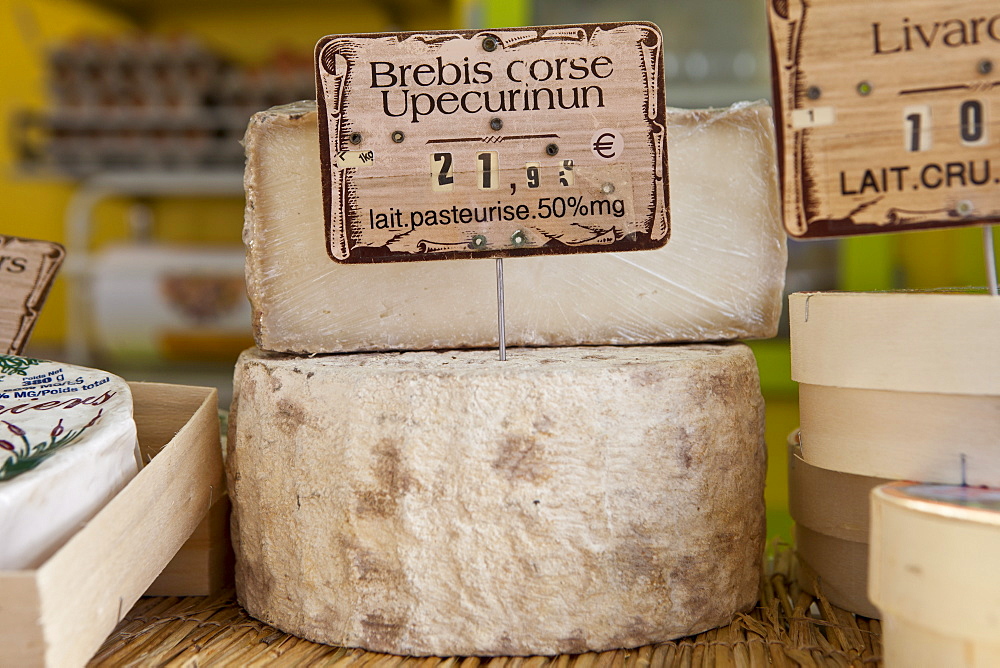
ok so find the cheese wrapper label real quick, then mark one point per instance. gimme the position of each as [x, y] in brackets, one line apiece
[67, 445]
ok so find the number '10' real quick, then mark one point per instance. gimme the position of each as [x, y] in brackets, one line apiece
[971, 125]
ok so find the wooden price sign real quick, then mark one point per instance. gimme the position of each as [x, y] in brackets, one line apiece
[493, 143]
[27, 269]
[889, 113]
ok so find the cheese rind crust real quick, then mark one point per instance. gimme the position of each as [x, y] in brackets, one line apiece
[447, 504]
[720, 277]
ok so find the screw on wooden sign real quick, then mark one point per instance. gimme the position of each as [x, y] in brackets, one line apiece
[889, 114]
[487, 144]
[27, 269]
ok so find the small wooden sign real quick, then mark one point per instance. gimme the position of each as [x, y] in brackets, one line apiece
[27, 269]
[493, 143]
[888, 112]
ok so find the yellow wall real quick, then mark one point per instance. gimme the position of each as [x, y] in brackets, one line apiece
[34, 207]
[250, 33]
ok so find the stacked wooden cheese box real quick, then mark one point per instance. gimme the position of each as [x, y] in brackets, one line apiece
[901, 386]
[397, 488]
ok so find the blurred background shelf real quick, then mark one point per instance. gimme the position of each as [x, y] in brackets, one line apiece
[120, 296]
[155, 183]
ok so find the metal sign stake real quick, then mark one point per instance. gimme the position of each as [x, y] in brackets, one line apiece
[991, 260]
[501, 335]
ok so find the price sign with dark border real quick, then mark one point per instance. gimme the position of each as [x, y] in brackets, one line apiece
[27, 269]
[496, 143]
[888, 112]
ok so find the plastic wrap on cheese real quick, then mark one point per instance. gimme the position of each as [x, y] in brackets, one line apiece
[720, 276]
[67, 446]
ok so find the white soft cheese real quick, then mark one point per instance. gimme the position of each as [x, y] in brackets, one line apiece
[67, 446]
[720, 277]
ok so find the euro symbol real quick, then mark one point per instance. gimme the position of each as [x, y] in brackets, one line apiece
[606, 142]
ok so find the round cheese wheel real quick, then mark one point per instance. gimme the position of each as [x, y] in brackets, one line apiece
[67, 446]
[445, 503]
[933, 574]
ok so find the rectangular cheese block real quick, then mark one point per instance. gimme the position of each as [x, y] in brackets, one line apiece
[720, 277]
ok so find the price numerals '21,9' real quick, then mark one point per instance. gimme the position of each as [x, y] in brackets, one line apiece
[488, 173]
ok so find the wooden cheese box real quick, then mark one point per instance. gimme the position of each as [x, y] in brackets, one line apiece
[830, 509]
[934, 342]
[61, 612]
[901, 385]
[933, 574]
[205, 562]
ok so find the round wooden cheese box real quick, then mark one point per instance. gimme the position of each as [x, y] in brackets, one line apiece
[934, 576]
[902, 386]
[830, 509]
